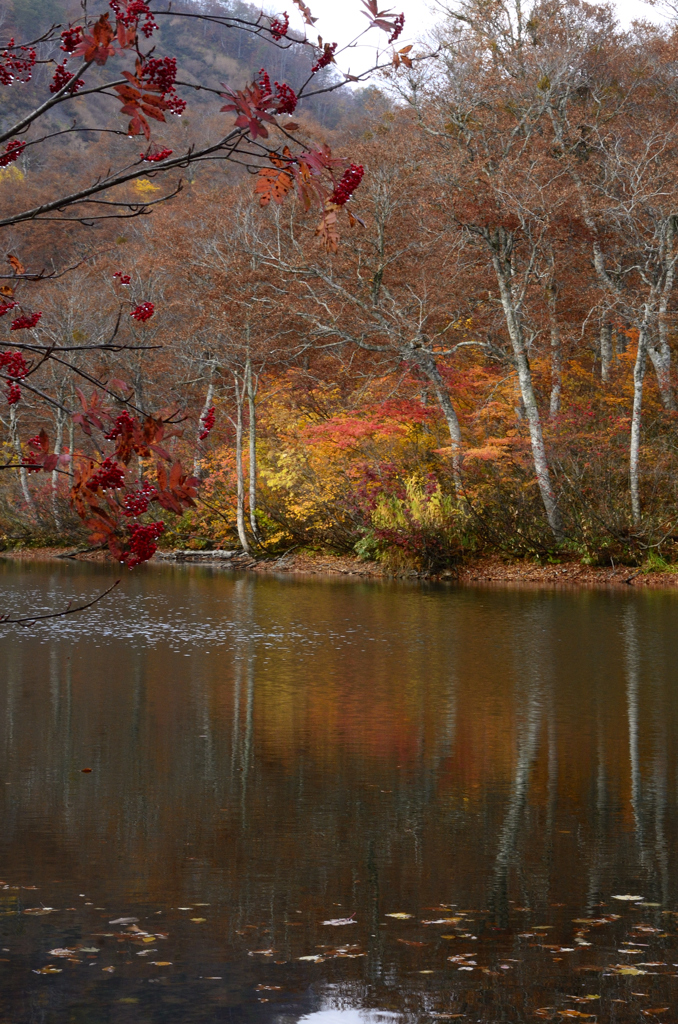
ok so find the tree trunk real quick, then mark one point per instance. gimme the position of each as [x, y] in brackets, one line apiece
[23, 475]
[660, 353]
[58, 442]
[636, 421]
[556, 369]
[605, 351]
[240, 510]
[209, 398]
[251, 396]
[515, 329]
[429, 368]
[71, 443]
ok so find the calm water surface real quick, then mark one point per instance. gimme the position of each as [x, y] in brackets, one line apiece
[465, 778]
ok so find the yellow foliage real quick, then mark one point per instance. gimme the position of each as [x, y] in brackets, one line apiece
[12, 173]
[145, 186]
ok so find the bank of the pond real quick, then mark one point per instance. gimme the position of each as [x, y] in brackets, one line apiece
[493, 570]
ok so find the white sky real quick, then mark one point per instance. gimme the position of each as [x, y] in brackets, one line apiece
[341, 22]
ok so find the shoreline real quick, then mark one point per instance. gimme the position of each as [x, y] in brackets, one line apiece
[488, 570]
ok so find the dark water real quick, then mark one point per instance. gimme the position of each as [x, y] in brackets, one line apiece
[268, 755]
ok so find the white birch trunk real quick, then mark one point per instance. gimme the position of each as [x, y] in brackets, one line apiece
[209, 401]
[23, 475]
[660, 354]
[528, 396]
[251, 400]
[636, 424]
[556, 369]
[429, 368]
[58, 442]
[71, 445]
[240, 508]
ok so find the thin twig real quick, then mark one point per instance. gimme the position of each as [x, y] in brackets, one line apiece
[30, 620]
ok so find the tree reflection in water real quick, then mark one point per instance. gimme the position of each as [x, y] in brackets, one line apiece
[271, 755]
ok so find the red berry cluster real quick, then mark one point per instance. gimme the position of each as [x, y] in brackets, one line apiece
[278, 28]
[109, 476]
[25, 323]
[286, 98]
[264, 82]
[130, 12]
[72, 37]
[15, 367]
[13, 393]
[14, 364]
[153, 155]
[13, 151]
[6, 306]
[350, 180]
[62, 78]
[14, 68]
[207, 422]
[398, 26]
[142, 542]
[123, 424]
[124, 278]
[161, 73]
[135, 503]
[143, 312]
[325, 58]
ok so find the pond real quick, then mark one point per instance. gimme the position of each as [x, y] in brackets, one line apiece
[234, 798]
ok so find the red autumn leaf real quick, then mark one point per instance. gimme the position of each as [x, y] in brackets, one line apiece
[97, 46]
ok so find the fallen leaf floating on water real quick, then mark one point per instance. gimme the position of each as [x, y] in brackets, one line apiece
[401, 917]
[85, 771]
[62, 952]
[629, 899]
[161, 963]
[596, 920]
[198, 920]
[444, 920]
[40, 911]
[109, 970]
[623, 969]
[316, 959]
[49, 969]
[574, 1013]
[337, 922]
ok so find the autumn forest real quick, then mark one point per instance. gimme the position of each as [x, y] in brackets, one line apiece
[431, 317]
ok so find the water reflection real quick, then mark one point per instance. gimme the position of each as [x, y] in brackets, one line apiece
[492, 767]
